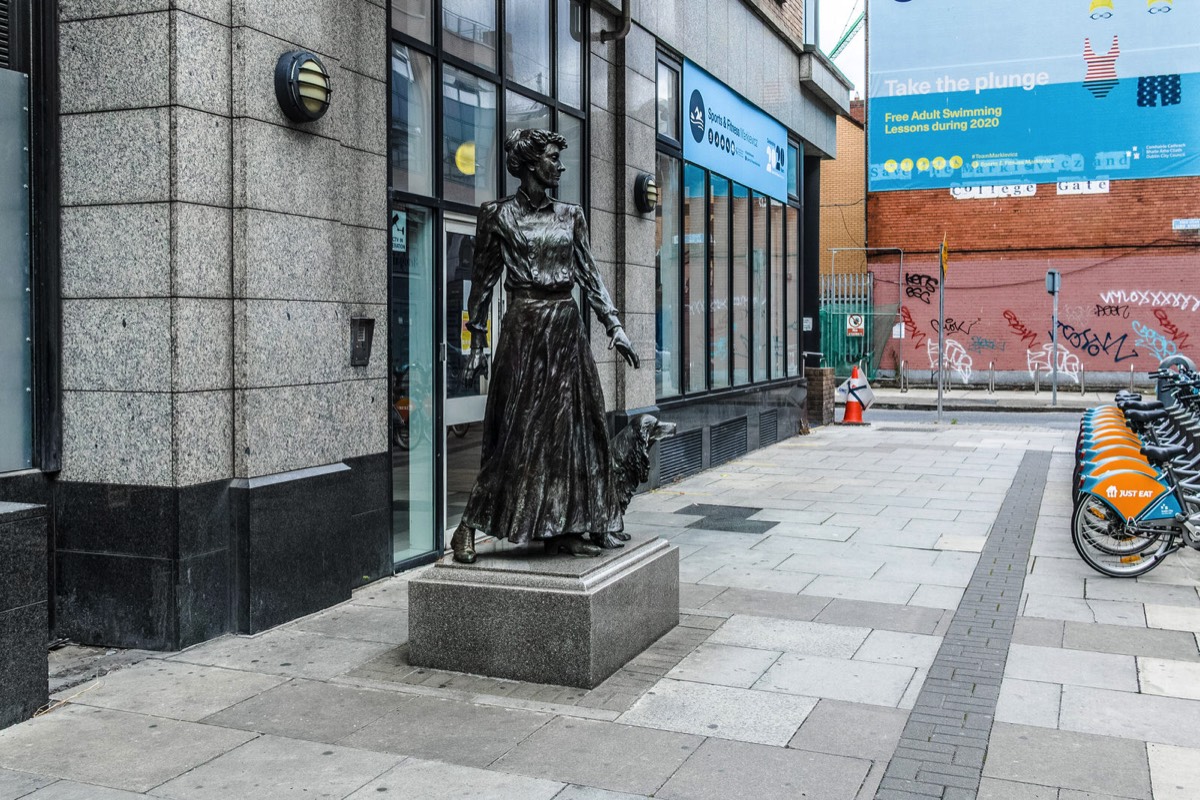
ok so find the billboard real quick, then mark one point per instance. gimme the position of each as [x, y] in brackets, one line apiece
[731, 136]
[966, 93]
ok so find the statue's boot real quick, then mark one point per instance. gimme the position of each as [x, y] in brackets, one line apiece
[623, 536]
[463, 544]
[607, 541]
[575, 545]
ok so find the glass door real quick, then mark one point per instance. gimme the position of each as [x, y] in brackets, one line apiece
[465, 402]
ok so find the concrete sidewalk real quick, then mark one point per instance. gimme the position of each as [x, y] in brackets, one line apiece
[893, 611]
[977, 399]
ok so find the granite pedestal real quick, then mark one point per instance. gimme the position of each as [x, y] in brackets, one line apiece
[521, 614]
[24, 609]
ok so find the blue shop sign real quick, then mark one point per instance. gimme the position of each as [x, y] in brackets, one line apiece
[732, 137]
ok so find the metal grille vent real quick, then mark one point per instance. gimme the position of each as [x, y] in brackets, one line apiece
[728, 441]
[682, 454]
[768, 428]
[5, 36]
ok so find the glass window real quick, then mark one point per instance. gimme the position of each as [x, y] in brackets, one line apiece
[16, 358]
[718, 282]
[793, 170]
[740, 301]
[792, 300]
[411, 328]
[527, 43]
[412, 17]
[571, 34]
[778, 289]
[666, 262]
[570, 187]
[760, 309]
[412, 121]
[522, 112]
[668, 101]
[468, 137]
[695, 277]
[469, 30]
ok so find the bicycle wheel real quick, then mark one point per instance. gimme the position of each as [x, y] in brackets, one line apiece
[1105, 543]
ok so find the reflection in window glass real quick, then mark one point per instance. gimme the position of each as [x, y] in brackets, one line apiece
[16, 357]
[758, 270]
[469, 30]
[718, 282]
[412, 17]
[521, 112]
[571, 34]
[570, 187]
[695, 276]
[668, 101]
[793, 170]
[527, 43]
[412, 121]
[468, 137]
[740, 302]
[666, 262]
[792, 301]
[411, 328]
[778, 289]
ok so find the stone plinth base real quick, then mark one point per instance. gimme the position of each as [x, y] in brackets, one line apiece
[24, 609]
[523, 615]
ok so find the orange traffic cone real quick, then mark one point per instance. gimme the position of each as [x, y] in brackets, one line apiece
[854, 409]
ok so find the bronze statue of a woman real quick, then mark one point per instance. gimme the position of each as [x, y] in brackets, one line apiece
[546, 471]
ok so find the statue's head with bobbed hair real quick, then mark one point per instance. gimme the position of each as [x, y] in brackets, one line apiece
[525, 146]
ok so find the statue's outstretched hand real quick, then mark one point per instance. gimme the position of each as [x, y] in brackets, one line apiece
[477, 365]
[621, 342]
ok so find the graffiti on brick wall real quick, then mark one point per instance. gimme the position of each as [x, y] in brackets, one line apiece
[956, 359]
[979, 344]
[955, 325]
[1161, 346]
[1026, 336]
[910, 327]
[1138, 297]
[1112, 311]
[1039, 361]
[1171, 329]
[1091, 342]
[920, 287]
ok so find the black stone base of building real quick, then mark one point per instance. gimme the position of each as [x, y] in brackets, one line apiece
[163, 568]
[24, 622]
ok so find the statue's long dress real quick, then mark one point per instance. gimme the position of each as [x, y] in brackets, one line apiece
[546, 468]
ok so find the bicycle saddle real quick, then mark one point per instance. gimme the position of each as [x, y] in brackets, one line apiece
[1138, 416]
[1144, 405]
[1161, 455]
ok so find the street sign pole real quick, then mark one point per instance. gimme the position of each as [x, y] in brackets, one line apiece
[943, 257]
[1053, 285]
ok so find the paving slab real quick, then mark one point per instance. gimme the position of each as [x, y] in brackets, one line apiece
[960, 542]
[1028, 703]
[993, 789]
[1053, 585]
[434, 780]
[907, 649]
[1174, 772]
[367, 623]
[300, 709]
[1068, 760]
[725, 712]
[946, 598]
[837, 679]
[589, 793]
[1169, 678]
[1071, 609]
[175, 690]
[784, 582]
[760, 603]
[724, 769]
[1101, 588]
[1173, 617]
[15, 784]
[109, 748]
[873, 590]
[275, 768]
[724, 665]
[885, 616]
[794, 636]
[605, 755]
[1150, 718]
[695, 595]
[70, 790]
[824, 565]
[1176, 645]
[448, 730]
[856, 730]
[293, 653]
[1075, 667]
[825, 532]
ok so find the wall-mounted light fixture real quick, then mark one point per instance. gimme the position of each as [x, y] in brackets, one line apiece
[302, 86]
[645, 193]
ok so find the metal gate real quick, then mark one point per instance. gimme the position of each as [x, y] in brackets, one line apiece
[841, 297]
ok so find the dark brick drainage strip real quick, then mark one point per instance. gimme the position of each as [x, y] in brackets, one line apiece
[942, 748]
[733, 519]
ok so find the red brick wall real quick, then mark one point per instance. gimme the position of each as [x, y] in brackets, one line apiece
[1131, 285]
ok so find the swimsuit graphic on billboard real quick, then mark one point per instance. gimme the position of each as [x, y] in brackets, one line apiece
[733, 137]
[1045, 92]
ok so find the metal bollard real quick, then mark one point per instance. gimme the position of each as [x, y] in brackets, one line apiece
[991, 377]
[903, 376]
[1082, 380]
[1131, 377]
[1037, 381]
